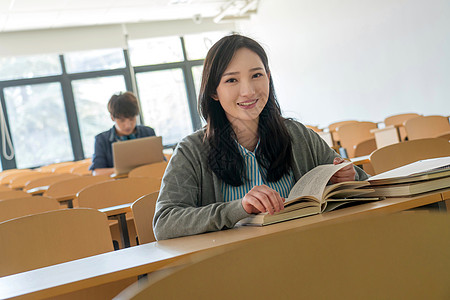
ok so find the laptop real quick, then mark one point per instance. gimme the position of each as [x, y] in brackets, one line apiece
[130, 154]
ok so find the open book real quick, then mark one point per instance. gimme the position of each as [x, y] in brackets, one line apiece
[311, 195]
[419, 177]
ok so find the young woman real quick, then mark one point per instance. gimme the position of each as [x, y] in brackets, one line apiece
[247, 158]
[123, 109]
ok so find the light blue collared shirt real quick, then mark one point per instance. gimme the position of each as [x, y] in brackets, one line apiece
[256, 175]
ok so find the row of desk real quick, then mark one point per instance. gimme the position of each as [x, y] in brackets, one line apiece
[131, 262]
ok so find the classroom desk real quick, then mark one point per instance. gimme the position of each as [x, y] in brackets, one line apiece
[130, 262]
[118, 213]
[357, 161]
[387, 136]
[39, 190]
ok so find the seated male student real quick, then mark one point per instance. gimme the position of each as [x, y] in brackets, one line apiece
[124, 110]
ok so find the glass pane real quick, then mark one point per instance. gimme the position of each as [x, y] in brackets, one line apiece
[197, 74]
[155, 51]
[38, 123]
[197, 45]
[29, 66]
[164, 104]
[94, 60]
[91, 100]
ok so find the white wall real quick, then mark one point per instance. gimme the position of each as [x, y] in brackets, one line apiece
[335, 60]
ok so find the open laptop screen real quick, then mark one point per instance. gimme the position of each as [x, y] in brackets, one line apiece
[130, 154]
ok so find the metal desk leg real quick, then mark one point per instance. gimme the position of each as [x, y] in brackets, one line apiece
[123, 229]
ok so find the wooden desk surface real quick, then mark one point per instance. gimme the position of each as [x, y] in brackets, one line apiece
[96, 270]
[116, 210]
[360, 160]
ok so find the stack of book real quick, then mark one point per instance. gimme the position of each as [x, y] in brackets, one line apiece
[416, 178]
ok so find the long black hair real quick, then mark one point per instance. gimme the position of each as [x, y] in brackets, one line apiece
[274, 152]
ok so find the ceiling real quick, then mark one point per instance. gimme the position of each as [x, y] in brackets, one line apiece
[17, 15]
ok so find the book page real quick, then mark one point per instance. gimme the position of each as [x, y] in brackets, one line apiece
[314, 182]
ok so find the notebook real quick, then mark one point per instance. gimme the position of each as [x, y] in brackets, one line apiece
[130, 154]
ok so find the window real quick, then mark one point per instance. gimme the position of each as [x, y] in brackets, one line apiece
[94, 60]
[164, 104]
[197, 45]
[29, 66]
[91, 99]
[155, 51]
[38, 124]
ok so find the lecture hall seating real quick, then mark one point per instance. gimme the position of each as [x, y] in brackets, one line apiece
[398, 121]
[351, 134]
[384, 257]
[143, 211]
[427, 127]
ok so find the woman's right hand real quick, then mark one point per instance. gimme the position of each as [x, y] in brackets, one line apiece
[262, 199]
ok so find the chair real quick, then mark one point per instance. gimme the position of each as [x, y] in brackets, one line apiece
[4, 188]
[143, 211]
[400, 154]
[117, 192]
[51, 167]
[19, 207]
[398, 120]
[66, 190]
[82, 169]
[364, 148]
[6, 177]
[315, 128]
[54, 237]
[384, 257]
[46, 181]
[155, 170]
[11, 171]
[13, 194]
[335, 135]
[19, 181]
[426, 127]
[65, 168]
[445, 136]
[353, 133]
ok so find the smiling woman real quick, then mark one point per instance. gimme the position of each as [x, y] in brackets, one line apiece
[247, 158]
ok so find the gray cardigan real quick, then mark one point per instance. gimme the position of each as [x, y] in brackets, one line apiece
[191, 201]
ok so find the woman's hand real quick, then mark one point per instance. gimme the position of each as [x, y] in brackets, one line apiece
[345, 174]
[261, 199]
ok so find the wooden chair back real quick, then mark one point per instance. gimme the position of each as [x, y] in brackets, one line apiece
[52, 167]
[19, 181]
[379, 256]
[398, 121]
[54, 237]
[353, 133]
[445, 136]
[82, 169]
[5, 188]
[48, 180]
[335, 135]
[315, 128]
[155, 170]
[143, 211]
[116, 192]
[69, 188]
[13, 194]
[365, 148]
[6, 177]
[427, 127]
[19, 207]
[65, 168]
[11, 171]
[400, 154]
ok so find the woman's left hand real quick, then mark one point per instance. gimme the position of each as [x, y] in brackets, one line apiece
[345, 174]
